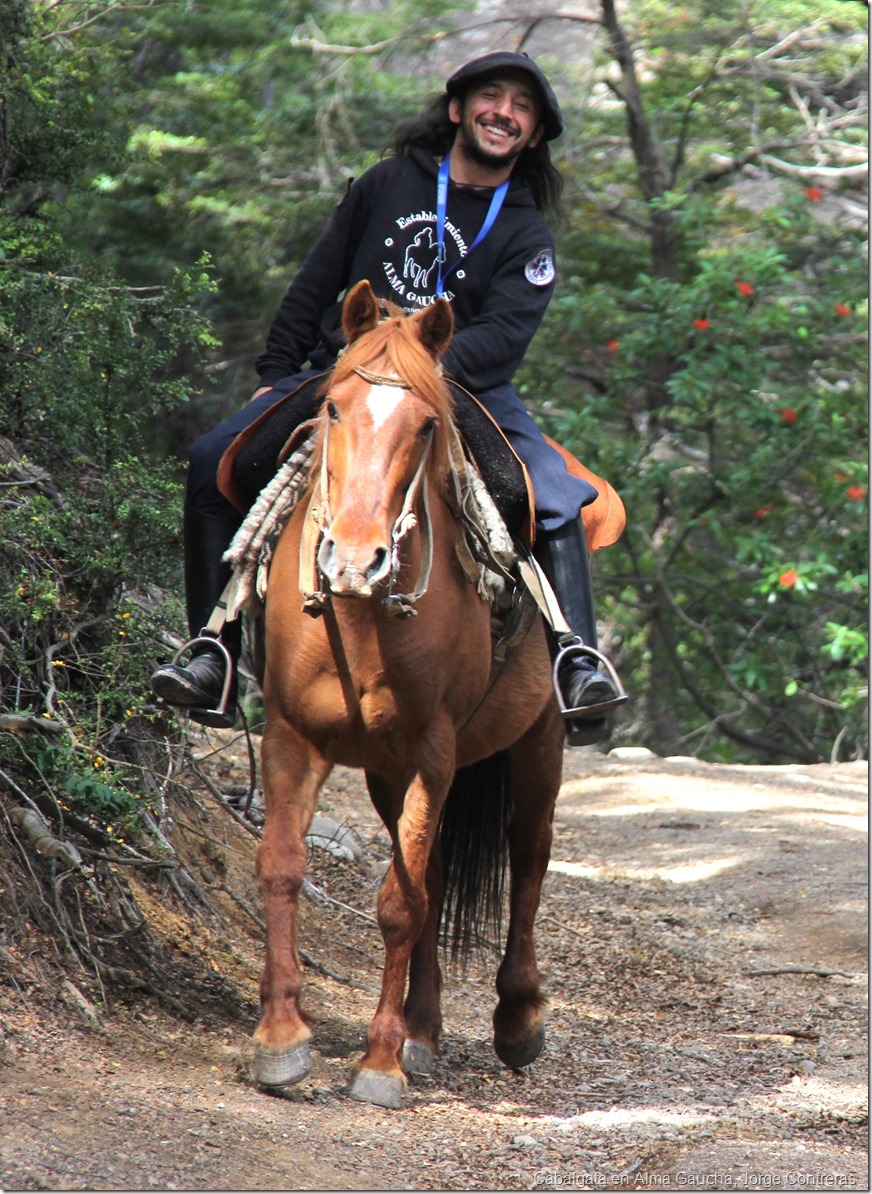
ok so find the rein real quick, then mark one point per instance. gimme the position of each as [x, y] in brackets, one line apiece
[318, 519]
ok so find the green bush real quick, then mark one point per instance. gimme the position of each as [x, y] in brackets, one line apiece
[739, 591]
[91, 371]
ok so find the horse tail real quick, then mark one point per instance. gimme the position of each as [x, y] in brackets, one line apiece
[473, 839]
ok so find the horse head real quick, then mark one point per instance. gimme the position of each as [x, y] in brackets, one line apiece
[384, 418]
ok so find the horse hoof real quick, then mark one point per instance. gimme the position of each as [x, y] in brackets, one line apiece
[518, 1054]
[417, 1058]
[282, 1067]
[372, 1086]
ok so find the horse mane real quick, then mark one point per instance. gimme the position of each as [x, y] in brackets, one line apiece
[396, 349]
[394, 338]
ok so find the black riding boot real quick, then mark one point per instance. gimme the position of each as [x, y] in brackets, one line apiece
[588, 695]
[198, 688]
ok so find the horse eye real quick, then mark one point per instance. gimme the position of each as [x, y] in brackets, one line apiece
[332, 412]
[428, 428]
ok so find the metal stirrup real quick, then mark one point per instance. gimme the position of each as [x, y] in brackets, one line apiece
[578, 648]
[221, 708]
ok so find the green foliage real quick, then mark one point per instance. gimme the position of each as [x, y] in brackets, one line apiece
[50, 101]
[87, 362]
[725, 396]
[78, 633]
[91, 373]
[241, 142]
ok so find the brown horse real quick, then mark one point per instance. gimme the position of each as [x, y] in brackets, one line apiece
[414, 701]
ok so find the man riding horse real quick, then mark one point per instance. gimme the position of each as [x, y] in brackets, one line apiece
[473, 171]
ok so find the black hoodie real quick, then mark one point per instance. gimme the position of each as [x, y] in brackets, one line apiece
[384, 230]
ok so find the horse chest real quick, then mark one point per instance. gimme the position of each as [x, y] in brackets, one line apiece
[380, 713]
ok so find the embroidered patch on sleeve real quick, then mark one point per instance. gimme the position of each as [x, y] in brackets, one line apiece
[540, 271]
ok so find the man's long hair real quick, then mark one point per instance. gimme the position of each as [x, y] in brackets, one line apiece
[433, 129]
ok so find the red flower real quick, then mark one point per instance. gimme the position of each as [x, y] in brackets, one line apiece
[702, 324]
[841, 309]
[745, 288]
[856, 492]
[612, 345]
[763, 512]
[814, 194]
[788, 416]
[788, 579]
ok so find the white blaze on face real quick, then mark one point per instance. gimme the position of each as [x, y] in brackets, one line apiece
[382, 402]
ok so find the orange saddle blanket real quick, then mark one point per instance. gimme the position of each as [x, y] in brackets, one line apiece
[604, 518]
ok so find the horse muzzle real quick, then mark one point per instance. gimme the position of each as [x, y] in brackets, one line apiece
[356, 572]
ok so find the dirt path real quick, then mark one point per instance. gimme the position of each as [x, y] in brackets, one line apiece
[703, 937]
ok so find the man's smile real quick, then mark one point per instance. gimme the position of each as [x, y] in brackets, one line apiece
[497, 130]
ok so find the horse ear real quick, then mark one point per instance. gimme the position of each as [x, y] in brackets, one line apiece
[360, 312]
[435, 327]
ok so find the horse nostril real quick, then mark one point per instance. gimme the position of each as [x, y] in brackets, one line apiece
[326, 555]
[379, 565]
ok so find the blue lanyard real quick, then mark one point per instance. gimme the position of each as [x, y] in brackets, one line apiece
[441, 205]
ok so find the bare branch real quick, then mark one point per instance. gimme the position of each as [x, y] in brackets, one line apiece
[837, 172]
[37, 831]
[109, 10]
[319, 46]
[25, 723]
[788, 42]
[734, 165]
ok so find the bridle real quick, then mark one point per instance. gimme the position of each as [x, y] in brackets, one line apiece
[319, 518]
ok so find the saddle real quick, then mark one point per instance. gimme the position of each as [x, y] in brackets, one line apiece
[251, 462]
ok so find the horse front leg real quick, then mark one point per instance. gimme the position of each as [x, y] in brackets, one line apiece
[293, 773]
[422, 1010]
[402, 914]
[423, 1006]
[536, 771]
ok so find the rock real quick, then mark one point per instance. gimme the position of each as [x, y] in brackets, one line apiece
[328, 834]
[632, 754]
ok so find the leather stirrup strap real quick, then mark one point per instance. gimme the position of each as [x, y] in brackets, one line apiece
[540, 587]
[226, 609]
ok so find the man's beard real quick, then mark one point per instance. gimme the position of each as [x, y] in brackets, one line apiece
[471, 149]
